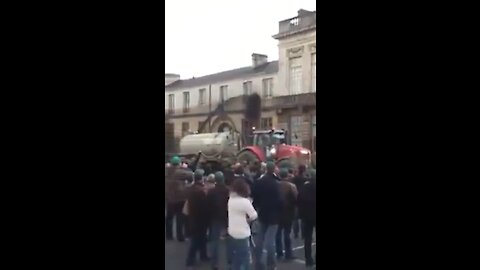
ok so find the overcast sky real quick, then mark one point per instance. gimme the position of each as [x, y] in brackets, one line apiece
[209, 36]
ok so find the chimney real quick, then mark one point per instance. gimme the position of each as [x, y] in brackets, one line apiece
[171, 78]
[259, 59]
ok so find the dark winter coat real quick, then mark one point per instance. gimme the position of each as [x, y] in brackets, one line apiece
[267, 199]
[198, 212]
[218, 204]
[289, 196]
[307, 202]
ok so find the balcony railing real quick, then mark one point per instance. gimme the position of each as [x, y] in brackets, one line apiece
[297, 24]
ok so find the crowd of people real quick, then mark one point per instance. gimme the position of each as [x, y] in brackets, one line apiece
[253, 207]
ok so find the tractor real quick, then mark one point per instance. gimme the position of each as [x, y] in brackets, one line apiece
[273, 145]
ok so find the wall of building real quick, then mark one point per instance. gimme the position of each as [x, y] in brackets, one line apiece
[235, 88]
[300, 122]
[307, 43]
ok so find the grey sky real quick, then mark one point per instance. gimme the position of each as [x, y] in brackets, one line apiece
[209, 36]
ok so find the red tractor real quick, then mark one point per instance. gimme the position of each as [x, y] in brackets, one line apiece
[272, 144]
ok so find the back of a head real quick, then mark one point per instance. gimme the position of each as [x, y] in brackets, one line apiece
[219, 178]
[270, 167]
[241, 188]
[301, 169]
[283, 173]
[198, 175]
[211, 178]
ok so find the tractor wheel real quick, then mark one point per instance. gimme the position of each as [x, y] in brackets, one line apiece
[248, 156]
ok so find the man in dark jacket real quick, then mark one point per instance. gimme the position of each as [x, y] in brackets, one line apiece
[268, 202]
[198, 219]
[289, 196]
[299, 179]
[218, 208]
[175, 198]
[307, 207]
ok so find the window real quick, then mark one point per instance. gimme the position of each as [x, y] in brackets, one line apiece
[186, 101]
[295, 76]
[266, 123]
[267, 87]
[314, 72]
[201, 96]
[223, 93]
[171, 103]
[185, 128]
[247, 88]
[296, 123]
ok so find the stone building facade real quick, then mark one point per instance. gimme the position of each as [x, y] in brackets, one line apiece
[287, 88]
[297, 76]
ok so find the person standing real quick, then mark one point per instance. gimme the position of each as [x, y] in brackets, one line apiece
[218, 207]
[175, 198]
[299, 180]
[307, 207]
[198, 219]
[289, 196]
[268, 202]
[240, 213]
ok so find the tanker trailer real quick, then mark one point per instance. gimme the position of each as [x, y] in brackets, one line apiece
[219, 148]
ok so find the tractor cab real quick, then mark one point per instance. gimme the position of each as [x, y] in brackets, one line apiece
[268, 138]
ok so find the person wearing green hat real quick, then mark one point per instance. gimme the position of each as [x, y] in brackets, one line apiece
[307, 209]
[175, 161]
[175, 196]
[218, 207]
[289, 196]
[198, 219]
[268, 202]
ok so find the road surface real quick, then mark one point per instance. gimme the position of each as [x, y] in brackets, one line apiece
[175, 255]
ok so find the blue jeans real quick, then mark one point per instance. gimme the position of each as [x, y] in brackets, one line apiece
[215, 233]
[241, 253]
[265, 240]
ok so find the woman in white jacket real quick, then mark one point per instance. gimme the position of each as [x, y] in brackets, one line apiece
[240, 213]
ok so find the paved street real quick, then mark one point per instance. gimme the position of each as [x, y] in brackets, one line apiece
[175, 254]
